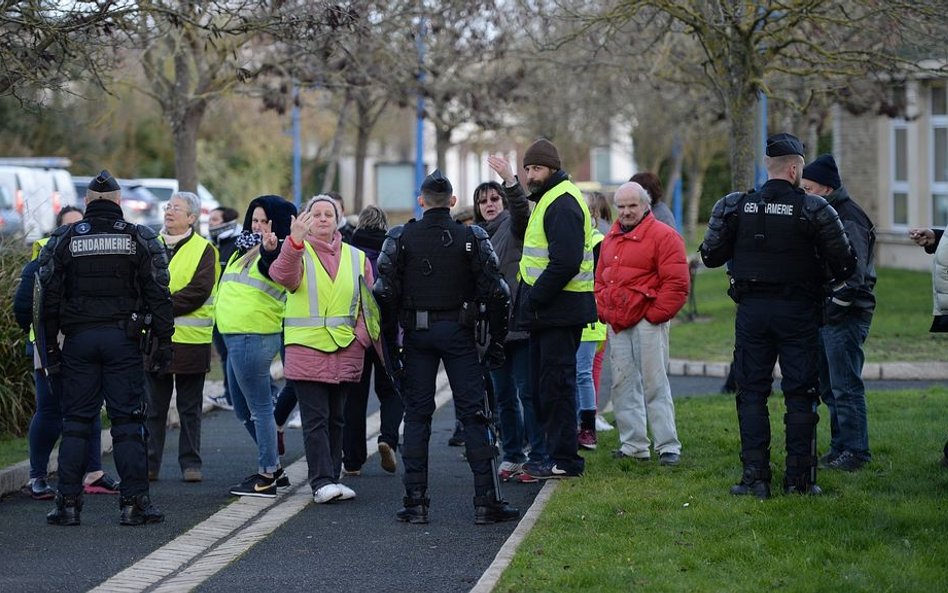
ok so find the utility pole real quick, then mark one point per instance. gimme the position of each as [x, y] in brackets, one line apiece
[420, 118]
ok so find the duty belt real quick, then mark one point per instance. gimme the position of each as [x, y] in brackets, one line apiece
[422, 319]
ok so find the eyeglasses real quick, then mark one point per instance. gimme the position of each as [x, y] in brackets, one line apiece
[489, 199]
[176, 208]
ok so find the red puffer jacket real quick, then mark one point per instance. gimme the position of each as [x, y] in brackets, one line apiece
[642, 274]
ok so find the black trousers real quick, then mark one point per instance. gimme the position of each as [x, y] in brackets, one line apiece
[553, 381]
[391, 410]
[103, 363]
[321, 410]
[768, 329]
[450, 342]
[190, 397]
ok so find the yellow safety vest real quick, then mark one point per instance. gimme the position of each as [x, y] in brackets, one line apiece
[247, 301]
[37, 248]
[596, 331]
[197, 327]
[323, 312]
[536, 247]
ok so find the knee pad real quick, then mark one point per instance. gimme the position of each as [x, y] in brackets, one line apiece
[128, 428]
[77, 427]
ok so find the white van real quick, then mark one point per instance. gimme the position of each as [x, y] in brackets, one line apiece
[40, 187]
[163, 188]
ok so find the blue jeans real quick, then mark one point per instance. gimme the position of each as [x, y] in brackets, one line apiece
[841, 385]
[585, 388]
[47, 425]
[518, 419]
[248, 372]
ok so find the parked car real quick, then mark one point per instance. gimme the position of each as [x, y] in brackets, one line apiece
[32, 194]
[11, 223]
[139, 205]
[164, 187]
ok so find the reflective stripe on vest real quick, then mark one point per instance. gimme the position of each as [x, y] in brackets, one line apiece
[37, 247]
[197, 327]
[247, 301]
[594, 332]
[323, 312]
[536, 247]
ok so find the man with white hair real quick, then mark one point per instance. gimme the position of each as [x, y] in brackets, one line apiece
[641, 283]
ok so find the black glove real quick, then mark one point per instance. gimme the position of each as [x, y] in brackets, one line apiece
[161, 359]
[835, 311]
[494, 357]
[53, 360]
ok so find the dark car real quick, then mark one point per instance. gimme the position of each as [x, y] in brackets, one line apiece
[139, 204]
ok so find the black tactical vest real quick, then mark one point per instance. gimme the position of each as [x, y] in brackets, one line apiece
[773, 245]
[102, 258]
[436, 258]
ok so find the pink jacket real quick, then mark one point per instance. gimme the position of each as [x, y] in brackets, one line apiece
[307, 364]
[641, 274]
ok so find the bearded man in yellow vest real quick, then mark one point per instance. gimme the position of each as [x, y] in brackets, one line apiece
[554, 302]
[195, 268]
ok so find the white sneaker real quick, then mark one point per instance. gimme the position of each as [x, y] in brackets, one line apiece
[295, 421]
[220, 401]
[347, 492]
[327, 493]
[602, 425]
[508, 470]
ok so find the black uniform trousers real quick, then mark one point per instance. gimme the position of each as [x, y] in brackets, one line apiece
[766, 329]
[391, 410]
[553, 381]
[103, 362]
[452, 343]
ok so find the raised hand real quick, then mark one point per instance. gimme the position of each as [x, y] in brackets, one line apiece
[300, 226]
[269, 237]
[502, 167]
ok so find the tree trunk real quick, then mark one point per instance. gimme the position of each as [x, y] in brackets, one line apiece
[695, 187]
[185, 134]
[741, 115]
[335, 149]
[442, 144]
[361, 150]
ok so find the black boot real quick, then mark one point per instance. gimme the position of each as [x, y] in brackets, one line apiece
[415, 509]
[800, 484]
[490, 509]
[457, 439]
[754, 482]
[138, 510]
[67, 510]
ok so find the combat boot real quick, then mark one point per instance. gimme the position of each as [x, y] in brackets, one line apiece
[800, 485]
[67, 510]
[754, 482]
[415, 509]
[138, 510]
[490, 509]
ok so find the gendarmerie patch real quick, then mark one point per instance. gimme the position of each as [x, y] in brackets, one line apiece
[102, 245]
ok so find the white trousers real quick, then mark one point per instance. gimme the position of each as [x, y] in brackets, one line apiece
[641, 393]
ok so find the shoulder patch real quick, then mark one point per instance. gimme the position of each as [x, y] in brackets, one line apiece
[82, 227]
[102, 245]
[120, 225]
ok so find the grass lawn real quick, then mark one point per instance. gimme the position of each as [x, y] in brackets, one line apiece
[899, 328]
[633, 526]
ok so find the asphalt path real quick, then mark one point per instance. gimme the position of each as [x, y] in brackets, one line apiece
[346, 546]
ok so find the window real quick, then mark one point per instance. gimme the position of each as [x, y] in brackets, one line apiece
[900, 173]
[939, 155]
[602, 164]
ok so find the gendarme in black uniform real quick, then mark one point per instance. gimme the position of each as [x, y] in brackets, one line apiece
[781, 245]
[101, 279]
[434, 274]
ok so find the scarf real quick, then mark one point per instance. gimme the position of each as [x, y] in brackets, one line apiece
[248, 240]
[172, 240]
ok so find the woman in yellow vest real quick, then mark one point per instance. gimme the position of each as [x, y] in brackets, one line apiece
[193, 264]
[249, 316]
[324, 333]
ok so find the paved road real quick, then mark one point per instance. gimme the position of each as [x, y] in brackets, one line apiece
[283, 545]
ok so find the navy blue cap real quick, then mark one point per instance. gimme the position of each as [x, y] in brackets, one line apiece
[104, 183]
[437, 183]
[784, 144]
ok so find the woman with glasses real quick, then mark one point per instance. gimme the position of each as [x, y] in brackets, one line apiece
[503, 212]
[194, 268]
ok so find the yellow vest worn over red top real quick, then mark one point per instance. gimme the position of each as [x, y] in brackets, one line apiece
[323, 312]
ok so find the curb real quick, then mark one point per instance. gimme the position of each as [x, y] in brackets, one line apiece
[871, 371]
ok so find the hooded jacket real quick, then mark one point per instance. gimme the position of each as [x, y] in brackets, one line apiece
[278, 211]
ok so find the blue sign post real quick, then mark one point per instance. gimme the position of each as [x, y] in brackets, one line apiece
[420, 119]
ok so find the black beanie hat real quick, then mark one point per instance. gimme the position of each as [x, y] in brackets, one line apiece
[437, 183]
[104, 183]
[542, 152]
[278, 211]
[784, 144]
[823, 171]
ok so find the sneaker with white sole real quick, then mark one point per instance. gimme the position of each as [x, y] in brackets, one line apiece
[602, 425]
[347, 492]
[295, 420]
[509, 470]
[220, 401]
[327, 493]
[257, 485]
[282, 480]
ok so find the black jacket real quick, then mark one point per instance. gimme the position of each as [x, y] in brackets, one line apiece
[858, 288]
[546, 304]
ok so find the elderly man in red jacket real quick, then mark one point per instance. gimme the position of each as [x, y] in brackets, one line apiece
[641, 283]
